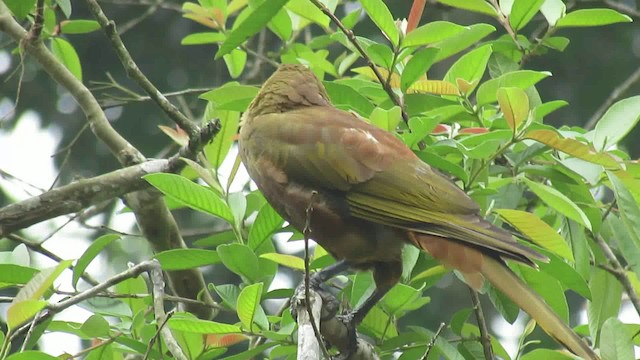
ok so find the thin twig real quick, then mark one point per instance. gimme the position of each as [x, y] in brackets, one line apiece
[352, 38]
[28, 336]
[618, 271]
[485, 338]
[307, 277]
[432, 342]
[134, 72]
[157, 281]
[39, 249]
[98, 345]
[504, 21]
[137, 20]
[615, 95]
[38, 21]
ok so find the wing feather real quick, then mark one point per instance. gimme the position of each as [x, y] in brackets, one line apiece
[383, 180]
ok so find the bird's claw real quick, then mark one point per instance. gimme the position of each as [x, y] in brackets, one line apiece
[349, 321]
[299, 294]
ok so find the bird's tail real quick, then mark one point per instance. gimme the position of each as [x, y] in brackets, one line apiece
[502, 278]
[477, 266]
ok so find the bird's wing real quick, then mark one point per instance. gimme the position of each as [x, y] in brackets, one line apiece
[383, 180]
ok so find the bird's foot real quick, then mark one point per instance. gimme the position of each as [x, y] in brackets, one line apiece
[350, 321]
[299, 294]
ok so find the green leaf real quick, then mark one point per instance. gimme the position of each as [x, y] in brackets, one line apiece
[304, 9]
[628, 207]
[557, 42]
[592, 17]
[193, 195]
[65, 6]
[132, 286]
[253, 23]
[431, 33]
[471, 36]
[21, 311]
[615, 341]
[606, 293]
[201, 326]
[537, 230]
[399, 298]
[238, 203]
[523, 11]
[381, 55]
[31, 354]
[553, 10]
[87, 257]
[228, 294]
[231, 96]
[386, 119]
[487, 92]
[67, 55]
[241, 260]
[470, 67]
[96, 326]
[20, 8]
[542, 110]
[235, 61]
[546, 354]
[479, 6]
[181, 259]
[41, 282]
[573, 148]
[12, 274]
[379, 13]
[78, 26]
[566, 274]
[617, 122]
[559, 202]
[203, 38]
[266, 223]
[291, 261]
[514, 104]
[549, 288]
[281, 25]
[347, 98]
[417, 66]
[218, 149]
[248, 303]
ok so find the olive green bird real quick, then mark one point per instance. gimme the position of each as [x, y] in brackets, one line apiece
[372, 195]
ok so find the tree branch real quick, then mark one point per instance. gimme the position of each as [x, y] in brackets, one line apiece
[352, 38]
[615, 95]
[134, 72]
[154, 218]
[155, 273]
[618, 271]
[86, 192]
[485, 338]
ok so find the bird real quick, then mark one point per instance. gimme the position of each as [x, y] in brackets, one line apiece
[371, 195]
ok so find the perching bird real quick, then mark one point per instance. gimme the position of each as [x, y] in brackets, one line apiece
[371, 195]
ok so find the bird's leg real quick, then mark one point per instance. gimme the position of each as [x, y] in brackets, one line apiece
[386, 275]
[327, 273]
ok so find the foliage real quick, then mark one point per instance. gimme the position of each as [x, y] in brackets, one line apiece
[573, 192]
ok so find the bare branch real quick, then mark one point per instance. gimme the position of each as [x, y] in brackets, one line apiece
[121, 148]
[352, 38]
[134, 72]
[485, 338]
[615, 95]
[617, 270]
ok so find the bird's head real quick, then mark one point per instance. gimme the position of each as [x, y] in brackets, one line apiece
[292, 86]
